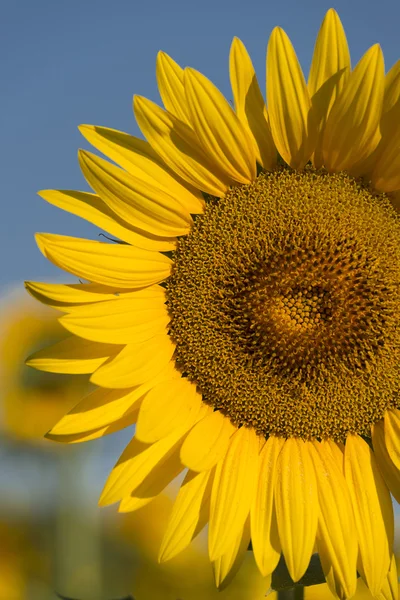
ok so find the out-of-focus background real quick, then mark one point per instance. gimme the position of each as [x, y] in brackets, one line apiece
[62, 64]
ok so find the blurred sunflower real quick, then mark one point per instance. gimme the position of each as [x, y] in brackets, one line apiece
[25, 567]
[31, 402]
[256, 343]
[12, 576]
[187, 576]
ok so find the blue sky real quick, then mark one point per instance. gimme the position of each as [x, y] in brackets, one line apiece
[65, 63]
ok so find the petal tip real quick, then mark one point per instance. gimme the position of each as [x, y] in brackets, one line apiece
[331, 11]
[40, 239]
[82, 154]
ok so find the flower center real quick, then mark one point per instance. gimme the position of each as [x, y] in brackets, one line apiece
[284, 303]
[299, 310]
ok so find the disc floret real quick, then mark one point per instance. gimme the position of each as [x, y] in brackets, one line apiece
[284, 304]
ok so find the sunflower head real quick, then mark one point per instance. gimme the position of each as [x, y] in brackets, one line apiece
[248, 324]
[284, 302]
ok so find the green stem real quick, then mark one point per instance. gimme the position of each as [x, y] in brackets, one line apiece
[294, 593]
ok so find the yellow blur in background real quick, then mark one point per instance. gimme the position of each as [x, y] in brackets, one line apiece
[53, 537]
[31, 401]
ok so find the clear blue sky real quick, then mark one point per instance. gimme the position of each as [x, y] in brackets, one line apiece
[66, 62]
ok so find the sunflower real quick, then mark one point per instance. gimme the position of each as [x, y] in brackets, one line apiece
[247, 317]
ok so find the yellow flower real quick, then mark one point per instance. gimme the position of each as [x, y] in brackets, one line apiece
[248, 319]
[31, 402]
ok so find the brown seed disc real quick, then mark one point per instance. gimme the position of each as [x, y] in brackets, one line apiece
[285, 306]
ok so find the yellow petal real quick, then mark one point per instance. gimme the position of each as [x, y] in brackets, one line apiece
[223, 137]
[104, 406]
[383, 164]
[385, 168]
[373, 512]
[110, 264]
[233, 491]
[155, 482]
[330, 68]
[331, 53]
[227, 565]
[120, 321]
[99, 409]
[392, 435]
[179, 148]
[94, 434]
[141, 203]
[136, 463]
[93, 209]
[350, 131]
[390, 472]
[165, 408]
[189, 514]
[71, 297]
[389, 125]
[207, 442]
[390, 590]
[392, 89]
[386, 174]
[170, 85]
[364, 167]
[138, 158]
[296, 503]
[72, 293]
[288, 102]
[378, 166]
[264, 532]
[337, 451]
[72, 355]
[136, 363]
[336, 534]
[250, 105]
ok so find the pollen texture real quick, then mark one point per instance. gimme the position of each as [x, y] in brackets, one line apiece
[284, 303]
